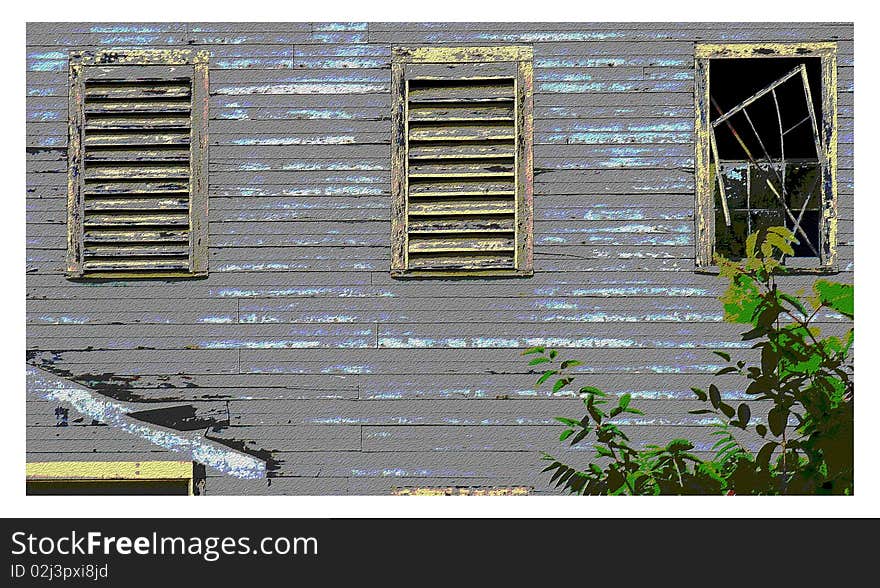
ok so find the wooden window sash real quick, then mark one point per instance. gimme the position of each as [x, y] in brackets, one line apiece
[704, 216]
[82, 64]
[459, 63]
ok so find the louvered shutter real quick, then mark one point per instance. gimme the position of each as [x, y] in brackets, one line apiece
[462, 161]
[137, 177]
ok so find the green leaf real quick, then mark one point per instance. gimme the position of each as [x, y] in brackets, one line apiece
[624, 401]
[769, 358]
[539, 360]
[569, 422]
[722, 355]
[566, 434]
[743, 414]
[761, 430]
[764, 455]
[560, 384]
[553, 353]
[714, 396]
[727, 410]
[570, 363]
[700, 394]
[794, 302]
[777, 418]
[592, 391]
[532, 350]
[545, 376]
[751, 244]
[836, 296]
[580, 436]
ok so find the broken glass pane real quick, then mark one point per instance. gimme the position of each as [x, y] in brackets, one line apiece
[730, 241]
[736, 184]
[802, 183]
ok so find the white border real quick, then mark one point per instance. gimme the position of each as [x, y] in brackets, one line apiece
[15, 504]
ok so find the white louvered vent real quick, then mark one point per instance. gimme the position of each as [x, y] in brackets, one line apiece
[462, 161]
[461, 143]
[139, 203]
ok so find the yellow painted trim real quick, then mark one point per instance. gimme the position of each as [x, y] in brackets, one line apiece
[462, 491]
[140, 57]
[462, 54]
[523, 85]
[705, 213]
[79, 63]
[748, 50]
[110, 470]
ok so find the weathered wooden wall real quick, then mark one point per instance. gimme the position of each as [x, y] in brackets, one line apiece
[356, 382]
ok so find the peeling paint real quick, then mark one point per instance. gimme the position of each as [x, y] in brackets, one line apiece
[116, 415]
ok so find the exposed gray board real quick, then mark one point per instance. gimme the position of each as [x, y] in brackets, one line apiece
[458, 412]
[303, 152]
[340, 101]
[610, 28]
[488, 316]
[138, 317]
[323, 486]
[493, 360]
[292, 127]
[504, 439]
[613, 379]
[243, 76]
[297, 438]
[111, 305]
[272, 384]
[474, 464]
[52, 28]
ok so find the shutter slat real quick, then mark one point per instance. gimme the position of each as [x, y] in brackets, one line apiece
[472, 261]
[433, 91]
[462, 112]
[461, 132]
[137, 251]
[461, 151]
[462, 207]
[109, 171]
[466, 168]
[468, 224]
[152, 106]
[146, 138]
[431, 188]
[136, 123]
[144, 265]
[106, 90]
[96, 235]
[134, 187]
[155, 155]
[113, 204]
[460, 244]
[136, 220]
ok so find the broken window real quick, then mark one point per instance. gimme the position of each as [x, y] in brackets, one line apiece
[767, 140]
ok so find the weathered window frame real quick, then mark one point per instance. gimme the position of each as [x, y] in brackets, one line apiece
[198, 177]
[704, 216]
[524, 176]
[86, 472]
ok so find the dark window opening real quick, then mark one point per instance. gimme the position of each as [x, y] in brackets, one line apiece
[107, 487]
[767, 154]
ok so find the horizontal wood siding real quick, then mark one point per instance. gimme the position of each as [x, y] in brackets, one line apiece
[354, 381]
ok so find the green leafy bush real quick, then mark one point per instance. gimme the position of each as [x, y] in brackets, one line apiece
[802, 387]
